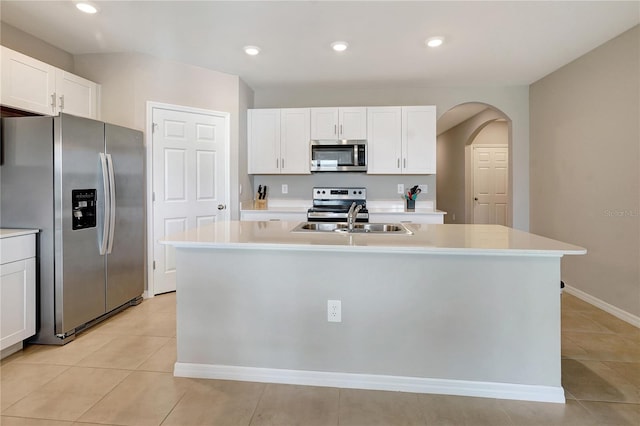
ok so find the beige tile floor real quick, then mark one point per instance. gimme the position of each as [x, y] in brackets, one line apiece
[119, 373]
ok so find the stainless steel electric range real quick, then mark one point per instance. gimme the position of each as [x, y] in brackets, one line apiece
[332, 204]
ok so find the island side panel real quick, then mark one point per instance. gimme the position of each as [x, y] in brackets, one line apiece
[461, 317]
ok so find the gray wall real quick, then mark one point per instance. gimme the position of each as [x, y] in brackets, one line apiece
[585, 157]
[494, 133]
[29, 45]
[244, 181]
[452, 165]
[130, 80]
[513, 101]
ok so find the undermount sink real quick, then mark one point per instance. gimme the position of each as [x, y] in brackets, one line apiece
[320, 227]
[358, 228]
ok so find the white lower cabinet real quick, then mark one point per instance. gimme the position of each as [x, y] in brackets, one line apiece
[17, 289]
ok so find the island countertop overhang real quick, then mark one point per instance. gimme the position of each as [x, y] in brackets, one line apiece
[426, 239]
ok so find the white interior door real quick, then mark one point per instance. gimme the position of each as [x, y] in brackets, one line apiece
[490, 185]
[190, 182]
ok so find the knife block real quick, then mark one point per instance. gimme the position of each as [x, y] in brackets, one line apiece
[260, 204]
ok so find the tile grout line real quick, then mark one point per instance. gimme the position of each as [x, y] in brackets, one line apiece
[103, 396]
[174, 407]
[43, 384]
[264, 389]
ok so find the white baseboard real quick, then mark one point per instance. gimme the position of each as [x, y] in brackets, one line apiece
[374, 382]
[613, 310]
[10, 350]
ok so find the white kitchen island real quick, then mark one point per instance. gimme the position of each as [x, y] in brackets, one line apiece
[452, 309]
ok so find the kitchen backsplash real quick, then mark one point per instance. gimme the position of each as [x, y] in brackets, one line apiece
[379, 187]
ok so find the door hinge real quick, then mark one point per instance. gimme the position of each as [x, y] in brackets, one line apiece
[154, 264]
[154, 126]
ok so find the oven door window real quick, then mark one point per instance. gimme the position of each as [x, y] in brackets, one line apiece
[332, 156]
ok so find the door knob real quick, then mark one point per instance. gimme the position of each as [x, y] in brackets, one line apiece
[476, 198]
[221, 207]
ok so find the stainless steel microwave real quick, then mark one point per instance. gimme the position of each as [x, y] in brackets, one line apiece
[338, 155]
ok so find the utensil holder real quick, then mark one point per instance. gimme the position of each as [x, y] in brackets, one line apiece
[410, 205]
[260, 204]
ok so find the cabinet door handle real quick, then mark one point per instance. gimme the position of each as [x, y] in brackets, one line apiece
[398, 163]
[404, 163]
[283, 163]
[62, 102]
[341, 130]
[277, 163]
[53, 101]
[335, 129]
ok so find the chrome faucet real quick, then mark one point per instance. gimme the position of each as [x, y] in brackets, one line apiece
[352, 214]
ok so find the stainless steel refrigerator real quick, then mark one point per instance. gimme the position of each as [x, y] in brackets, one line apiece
[81, 182]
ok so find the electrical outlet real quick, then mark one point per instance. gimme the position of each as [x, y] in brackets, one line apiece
[401, 188]
[424, 188]
[285, 188]
[334, 311]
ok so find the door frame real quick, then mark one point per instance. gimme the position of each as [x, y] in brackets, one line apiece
[151, 105]
[471, 196]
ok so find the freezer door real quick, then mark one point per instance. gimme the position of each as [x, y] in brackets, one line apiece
[79, 267]
[125, 258]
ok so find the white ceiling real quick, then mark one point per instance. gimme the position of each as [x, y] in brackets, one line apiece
[487, 43]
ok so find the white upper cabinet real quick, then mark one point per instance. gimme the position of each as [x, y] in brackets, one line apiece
[35, 86]
[384, 142]
[264, 141]
[76, 95]
[278, 141]
[402, 140]
[27, 83]
[339, 123]
[295, 134]
[419, 140]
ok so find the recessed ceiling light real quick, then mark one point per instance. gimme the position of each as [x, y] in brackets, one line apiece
[86, 8]
[339, 46]
[434, 41]
[251, 50]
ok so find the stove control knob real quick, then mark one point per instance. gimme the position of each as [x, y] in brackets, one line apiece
[323, 192]
[360, 192]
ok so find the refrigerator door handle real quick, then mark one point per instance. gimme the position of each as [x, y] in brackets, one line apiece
[112, 202]
[107, 204]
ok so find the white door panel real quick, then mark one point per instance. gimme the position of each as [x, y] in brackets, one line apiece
[189, 180]
[490, 185]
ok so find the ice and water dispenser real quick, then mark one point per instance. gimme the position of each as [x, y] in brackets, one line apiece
[84, 208]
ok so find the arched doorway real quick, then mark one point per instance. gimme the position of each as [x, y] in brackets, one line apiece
[471, 137]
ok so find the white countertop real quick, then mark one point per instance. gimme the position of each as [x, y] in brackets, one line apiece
[427, 239]
[8, 233]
